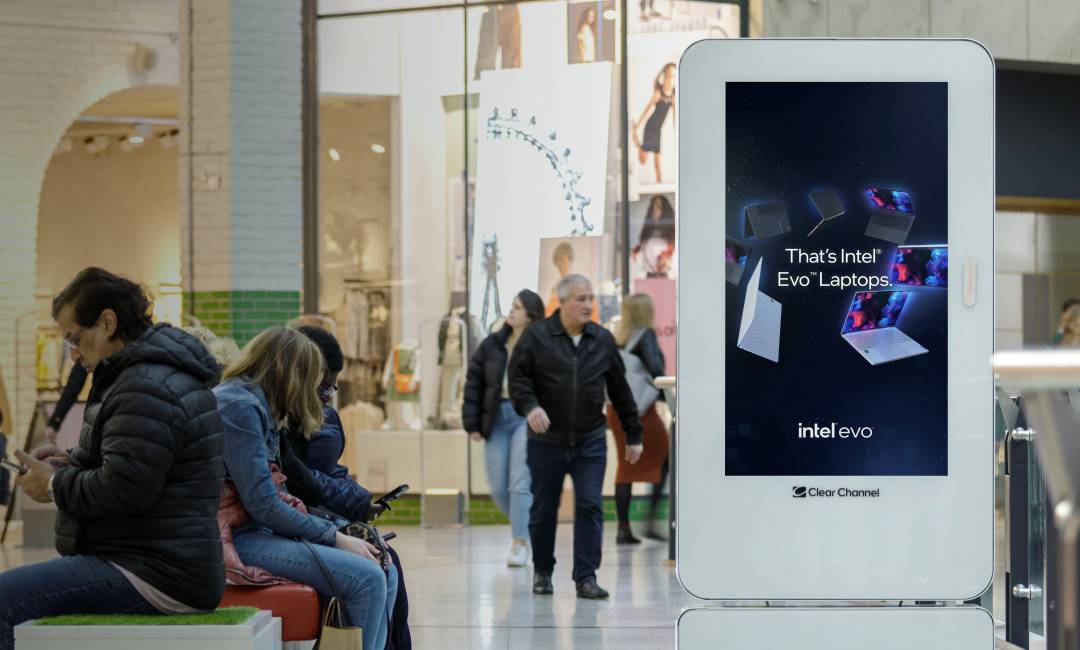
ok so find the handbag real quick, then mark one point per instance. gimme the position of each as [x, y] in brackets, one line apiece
[637, 376]
[338, 632]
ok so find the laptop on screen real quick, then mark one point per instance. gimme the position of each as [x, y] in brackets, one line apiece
[871, 327]
[828, 205]
[891, 214]
[766, 220]
[921, 266]
[736, 255]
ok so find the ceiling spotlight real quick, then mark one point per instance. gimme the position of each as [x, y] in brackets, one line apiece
[610, 14]
[136, 139]
[334, 154]
[378, 148]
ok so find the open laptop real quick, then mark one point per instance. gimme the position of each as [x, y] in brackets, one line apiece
[766, 220]
[871, 327]
[736, 254]
[828, 205]
[891, 214]
[921, 266]
[759, 329]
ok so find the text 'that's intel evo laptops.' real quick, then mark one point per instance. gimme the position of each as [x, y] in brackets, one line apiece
[891, 214]
[766, 220]
[921, 266]
[736, 255]
[828, 206]
[871, 327]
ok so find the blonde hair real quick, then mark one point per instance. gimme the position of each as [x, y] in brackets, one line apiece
[224, 351]
[637, 313]
[1070, 337]
[288, 366]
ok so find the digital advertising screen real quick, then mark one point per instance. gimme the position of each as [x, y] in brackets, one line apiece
[837, 247]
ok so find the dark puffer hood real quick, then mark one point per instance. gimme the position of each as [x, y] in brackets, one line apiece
[163, 345]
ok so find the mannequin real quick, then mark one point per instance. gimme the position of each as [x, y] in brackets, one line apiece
[401, 380]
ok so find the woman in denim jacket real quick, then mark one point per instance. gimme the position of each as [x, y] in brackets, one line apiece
[273, 384]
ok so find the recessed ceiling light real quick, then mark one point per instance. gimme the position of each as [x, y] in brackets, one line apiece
[136, 139]
[378, 148]
[335, 155]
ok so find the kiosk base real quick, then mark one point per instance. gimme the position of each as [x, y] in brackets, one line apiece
[840, 628]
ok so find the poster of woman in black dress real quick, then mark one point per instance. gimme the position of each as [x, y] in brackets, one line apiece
[661, 105]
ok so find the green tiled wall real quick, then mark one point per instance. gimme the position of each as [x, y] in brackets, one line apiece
[243, 314]
[483, 511]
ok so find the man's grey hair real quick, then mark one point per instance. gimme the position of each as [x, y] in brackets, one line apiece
[565, 287]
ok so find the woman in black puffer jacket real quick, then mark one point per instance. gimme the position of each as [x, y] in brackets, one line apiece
[488, 415]
[137, 498]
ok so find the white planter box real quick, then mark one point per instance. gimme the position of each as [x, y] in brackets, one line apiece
[261, 632]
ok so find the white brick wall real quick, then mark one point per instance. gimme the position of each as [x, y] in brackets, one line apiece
[245, 93]
[57, 57]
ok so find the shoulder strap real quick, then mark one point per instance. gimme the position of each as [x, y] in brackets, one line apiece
[335, 591]
[634, 339]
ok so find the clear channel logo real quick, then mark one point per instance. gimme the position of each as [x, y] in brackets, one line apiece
[804, 492]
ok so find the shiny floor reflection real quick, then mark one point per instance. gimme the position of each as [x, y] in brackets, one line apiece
[462, 594]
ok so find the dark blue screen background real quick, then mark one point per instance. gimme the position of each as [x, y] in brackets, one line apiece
[786, 140]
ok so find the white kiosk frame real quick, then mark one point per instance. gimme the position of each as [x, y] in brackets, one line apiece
[745, 537]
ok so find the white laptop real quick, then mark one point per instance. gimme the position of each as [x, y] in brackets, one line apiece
[871, 327]
[759, 329]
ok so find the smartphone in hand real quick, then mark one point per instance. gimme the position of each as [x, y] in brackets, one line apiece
[13, 466]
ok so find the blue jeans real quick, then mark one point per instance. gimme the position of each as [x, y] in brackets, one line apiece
[79, 584]
[549, 464]
[508, 473]
[369, 593]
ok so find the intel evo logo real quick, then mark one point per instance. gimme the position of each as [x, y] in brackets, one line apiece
[802, 492]
[822, 431]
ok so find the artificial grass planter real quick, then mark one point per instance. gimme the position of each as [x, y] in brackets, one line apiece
[223, 616]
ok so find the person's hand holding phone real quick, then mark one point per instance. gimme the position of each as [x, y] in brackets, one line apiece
[35, 482]
[53, 455]
[357, 546]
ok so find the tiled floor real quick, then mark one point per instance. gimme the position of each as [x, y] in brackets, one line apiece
[462, 595]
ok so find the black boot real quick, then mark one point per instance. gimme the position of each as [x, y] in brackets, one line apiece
[588, 588]
[542, 584]
[625, 535]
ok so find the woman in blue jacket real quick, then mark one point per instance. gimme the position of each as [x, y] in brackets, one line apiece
[274, 384]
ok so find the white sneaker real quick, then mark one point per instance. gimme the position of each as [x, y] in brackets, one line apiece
[519, 555]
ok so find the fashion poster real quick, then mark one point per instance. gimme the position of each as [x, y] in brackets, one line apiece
[541, 172]
[837, 279]
[662, 291]
[591, 31]
[561, 256]
[652, 236]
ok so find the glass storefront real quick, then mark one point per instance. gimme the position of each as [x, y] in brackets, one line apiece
[469, 152]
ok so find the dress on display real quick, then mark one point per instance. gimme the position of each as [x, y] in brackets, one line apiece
[586, 40]
[651, 140]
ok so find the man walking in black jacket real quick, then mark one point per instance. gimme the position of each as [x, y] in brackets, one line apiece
[137, 498]
[558, 374]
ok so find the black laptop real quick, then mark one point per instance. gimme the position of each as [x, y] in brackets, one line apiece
[767, 220]
[891, 214]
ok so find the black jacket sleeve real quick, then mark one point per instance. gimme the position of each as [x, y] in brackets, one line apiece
[76, 381]
[472, 408]
[520, 377]
[142, 431]
[619, 392]
[648, 350]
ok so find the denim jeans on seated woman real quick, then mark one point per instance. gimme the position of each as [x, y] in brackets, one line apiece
[79, 584]
[508, 473]
[368, 592]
